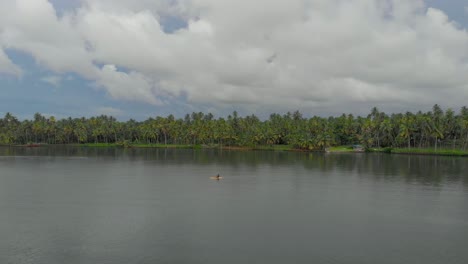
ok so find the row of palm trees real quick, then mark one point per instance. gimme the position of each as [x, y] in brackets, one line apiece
[436, 128]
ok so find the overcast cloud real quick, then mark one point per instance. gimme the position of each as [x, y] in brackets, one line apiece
[329, 55]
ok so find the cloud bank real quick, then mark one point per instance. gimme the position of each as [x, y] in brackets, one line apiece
[324, 55]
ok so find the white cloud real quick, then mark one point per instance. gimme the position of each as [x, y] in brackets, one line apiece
[53, 42]
[53, 80]
[7, 66]
[306, 54]
[127, 86]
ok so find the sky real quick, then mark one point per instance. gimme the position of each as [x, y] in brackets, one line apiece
[145, 58]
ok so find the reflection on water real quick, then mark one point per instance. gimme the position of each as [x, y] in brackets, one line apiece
[413, 168]
[112, 205]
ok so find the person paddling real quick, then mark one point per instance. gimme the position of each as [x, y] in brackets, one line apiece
[217, 177]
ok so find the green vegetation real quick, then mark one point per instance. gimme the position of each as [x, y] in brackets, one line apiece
[430, 151]
[275, 147]
[130, 145]
[143, 145]
[164, 146]
[340, 149]
[96, 145]
[433, 132]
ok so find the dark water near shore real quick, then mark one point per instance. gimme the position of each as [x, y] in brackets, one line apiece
[90, 205]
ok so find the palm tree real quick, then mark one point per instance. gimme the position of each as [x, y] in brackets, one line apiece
[406, 128]
[437, 124]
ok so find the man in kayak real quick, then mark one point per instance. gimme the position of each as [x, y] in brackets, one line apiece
[217, 177]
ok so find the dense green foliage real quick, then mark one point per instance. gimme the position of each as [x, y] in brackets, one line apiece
[434, 129]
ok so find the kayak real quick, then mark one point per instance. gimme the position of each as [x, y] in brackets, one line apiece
[216, 178]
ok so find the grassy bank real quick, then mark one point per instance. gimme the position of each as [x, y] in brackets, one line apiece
[182, 146]
[336, 149]
[429, 151]
[412, 151]
[275, 147]
[110, 145]
[340, 149]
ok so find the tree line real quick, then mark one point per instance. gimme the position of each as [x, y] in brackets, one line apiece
[435, 129]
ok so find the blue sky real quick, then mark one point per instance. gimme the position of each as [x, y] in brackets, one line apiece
[187, 74]
[456, 9]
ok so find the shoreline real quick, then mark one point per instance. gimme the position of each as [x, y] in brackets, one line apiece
[330, 150]
[423, 152]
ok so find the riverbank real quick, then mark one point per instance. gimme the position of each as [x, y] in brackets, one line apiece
[186, 146]
[341, 149]
[409, 151]
[111, 145]
[422, 151]
[336, 149]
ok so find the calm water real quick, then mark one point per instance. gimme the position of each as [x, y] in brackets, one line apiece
[147, 206]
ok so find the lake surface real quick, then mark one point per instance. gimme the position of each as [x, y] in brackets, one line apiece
[68, 205]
